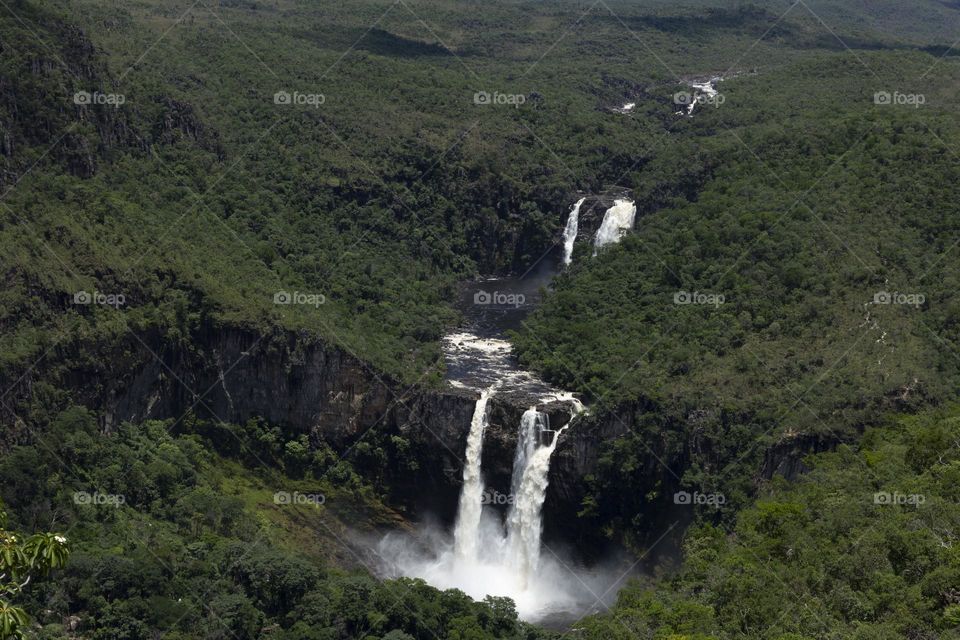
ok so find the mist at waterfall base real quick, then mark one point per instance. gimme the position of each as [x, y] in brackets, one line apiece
[490, 555]
[559, 593]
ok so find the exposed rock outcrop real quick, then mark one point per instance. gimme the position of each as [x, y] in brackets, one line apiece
[300, 382]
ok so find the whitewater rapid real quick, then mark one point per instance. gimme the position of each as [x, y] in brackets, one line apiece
[707, 89]
[476, 363]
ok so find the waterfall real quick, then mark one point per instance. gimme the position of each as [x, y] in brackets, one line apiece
[706, 88]
[531, 464]
[524, 522]
[467, 528]
[616, 221]
[489, 556]
[570, 232]
[530, 423]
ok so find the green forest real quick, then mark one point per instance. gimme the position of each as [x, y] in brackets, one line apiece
[171, 172]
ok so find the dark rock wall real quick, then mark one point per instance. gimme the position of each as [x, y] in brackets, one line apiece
[299, 382]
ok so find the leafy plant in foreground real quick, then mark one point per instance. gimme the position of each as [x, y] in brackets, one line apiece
[22, 560]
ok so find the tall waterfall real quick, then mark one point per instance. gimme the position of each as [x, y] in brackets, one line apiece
[490, 556]
[467, 528]
[570, 232]
[616, 221]
[524, 522]
[520, 543]
[530, 424]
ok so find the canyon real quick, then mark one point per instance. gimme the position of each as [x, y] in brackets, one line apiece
[296, 380]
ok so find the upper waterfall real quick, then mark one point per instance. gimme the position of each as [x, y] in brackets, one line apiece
[616, 221]
[570, 232]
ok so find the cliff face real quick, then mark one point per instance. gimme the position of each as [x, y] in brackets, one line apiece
[301, 383]
[292, 380]
[576, 458]
[500, 443]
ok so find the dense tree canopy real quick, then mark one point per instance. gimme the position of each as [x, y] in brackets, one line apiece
[160, 179]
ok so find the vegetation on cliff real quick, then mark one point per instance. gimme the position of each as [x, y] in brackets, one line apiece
[865, 546]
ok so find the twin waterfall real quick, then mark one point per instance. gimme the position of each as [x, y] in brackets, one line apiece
[483, 547]
[518, 547]
[495, 549]
[617, 220]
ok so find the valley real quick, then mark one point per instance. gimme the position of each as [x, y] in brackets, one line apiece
[416, 320]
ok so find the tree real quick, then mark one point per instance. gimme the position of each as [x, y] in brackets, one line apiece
[21, 560]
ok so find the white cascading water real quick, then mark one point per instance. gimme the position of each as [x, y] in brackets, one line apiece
[706, 88]
[530, 424]
[570, 232]
[616, 221]
[495, 546]
[490, 557]
[524, 522]
[467, 528]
